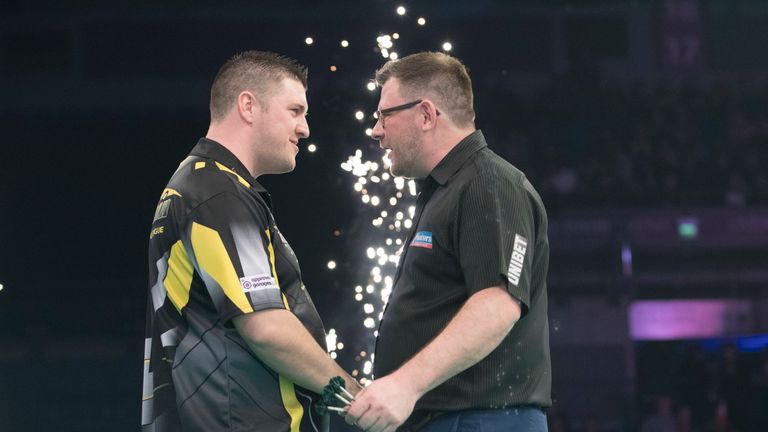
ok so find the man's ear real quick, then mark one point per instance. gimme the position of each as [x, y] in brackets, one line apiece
[247, 106]
[428, 115]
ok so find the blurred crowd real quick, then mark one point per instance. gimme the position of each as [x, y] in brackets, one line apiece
[586, 145]
[698, 392]
[728, 393]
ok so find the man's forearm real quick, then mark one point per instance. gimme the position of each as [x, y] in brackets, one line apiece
[279, 339]
[476, 330]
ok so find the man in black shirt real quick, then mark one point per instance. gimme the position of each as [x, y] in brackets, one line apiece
[233, 338]
[464, 340]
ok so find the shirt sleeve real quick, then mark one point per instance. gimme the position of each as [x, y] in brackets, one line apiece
[231, 250]
[496, 236]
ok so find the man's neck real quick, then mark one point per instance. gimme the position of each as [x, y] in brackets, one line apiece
[234, 142]
[444, 143]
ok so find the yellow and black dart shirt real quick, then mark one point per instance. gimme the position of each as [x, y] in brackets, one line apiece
[215, 252]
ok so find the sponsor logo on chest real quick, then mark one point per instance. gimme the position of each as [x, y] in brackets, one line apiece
[422, 239]
[516, 262]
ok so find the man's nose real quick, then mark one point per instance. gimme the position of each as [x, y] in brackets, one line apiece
[377, 132]
[302, 130]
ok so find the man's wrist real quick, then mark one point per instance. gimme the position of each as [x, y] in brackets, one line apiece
[353, 386]
[411, 382]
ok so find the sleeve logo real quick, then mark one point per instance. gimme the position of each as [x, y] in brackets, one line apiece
[165, 203]
[422, 239]
[258, 283]
[516, 262]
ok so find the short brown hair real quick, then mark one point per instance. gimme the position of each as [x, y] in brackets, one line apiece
[439, 75]
[257, 71]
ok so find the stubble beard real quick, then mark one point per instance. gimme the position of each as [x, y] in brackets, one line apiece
[407, 158]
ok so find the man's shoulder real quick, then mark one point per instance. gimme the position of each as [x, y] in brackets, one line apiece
[489, 167]
[198, 179]
[490, 171]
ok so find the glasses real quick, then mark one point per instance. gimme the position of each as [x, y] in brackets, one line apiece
[383, 113]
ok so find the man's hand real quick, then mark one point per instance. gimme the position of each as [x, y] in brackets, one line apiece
[383, 406]
[476, 330]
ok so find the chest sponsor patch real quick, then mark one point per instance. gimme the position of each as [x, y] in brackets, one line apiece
[516, 262]
[422, 239]
[258, 283]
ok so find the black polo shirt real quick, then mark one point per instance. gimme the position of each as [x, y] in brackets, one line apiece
[478, 223]
[215, 253]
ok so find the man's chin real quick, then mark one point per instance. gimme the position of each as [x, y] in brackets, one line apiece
[399, 172]
[283, 169]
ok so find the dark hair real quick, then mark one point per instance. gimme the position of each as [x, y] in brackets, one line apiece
[440, 76]
[257, 71]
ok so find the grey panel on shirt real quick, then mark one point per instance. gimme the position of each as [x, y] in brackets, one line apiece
[158, 289]
[257, 281]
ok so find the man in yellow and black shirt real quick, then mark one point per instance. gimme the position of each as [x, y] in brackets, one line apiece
[233, 339]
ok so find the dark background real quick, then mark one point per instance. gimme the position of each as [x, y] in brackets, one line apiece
[628, 117]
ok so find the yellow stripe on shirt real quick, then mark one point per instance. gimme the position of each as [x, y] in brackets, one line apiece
[169, 192]
[213, 258]
[239, 178]
[287, 388]
[291, 403]
[178, 280]
[272, 260]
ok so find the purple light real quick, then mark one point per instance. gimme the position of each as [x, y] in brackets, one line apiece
[626, 259]
[689, 319]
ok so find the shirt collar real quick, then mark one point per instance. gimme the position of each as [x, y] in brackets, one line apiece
[458, 155]
[210, 149]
